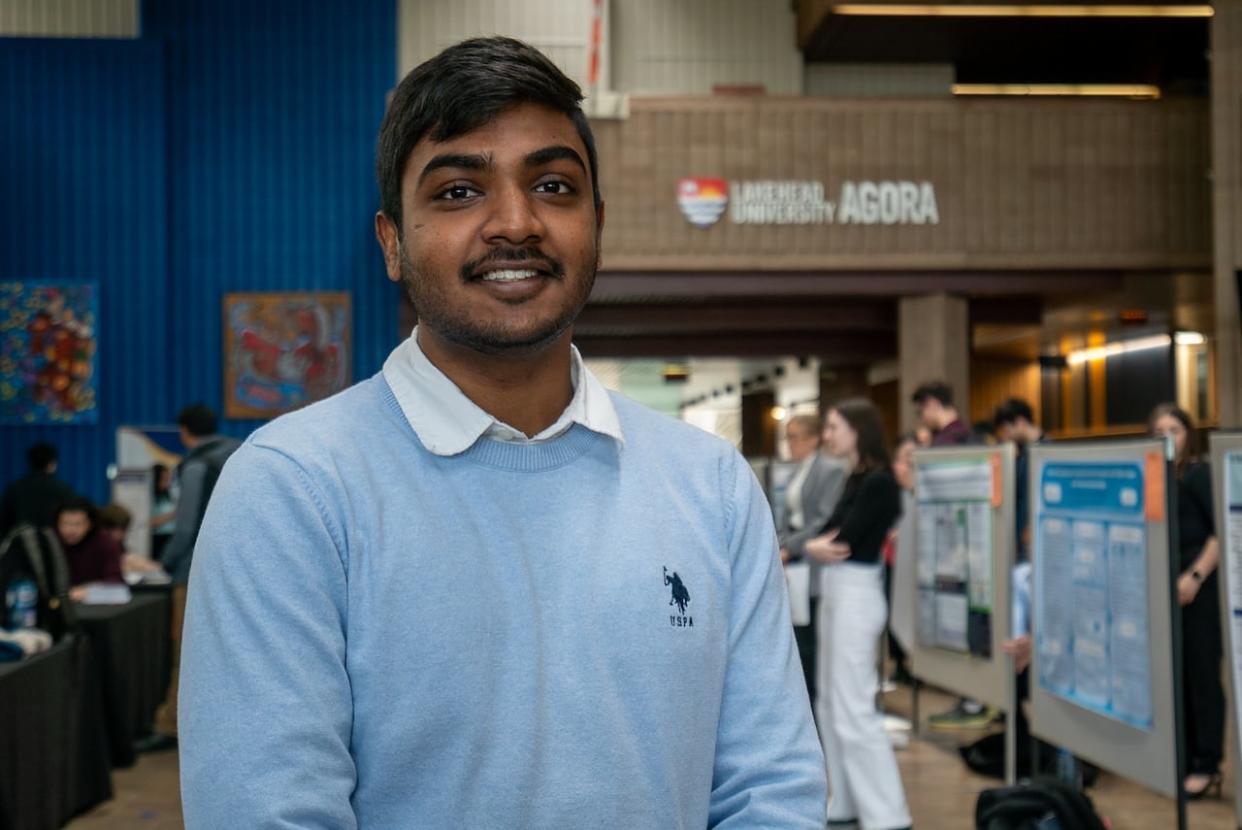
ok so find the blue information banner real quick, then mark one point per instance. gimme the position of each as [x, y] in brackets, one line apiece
[1092, 637]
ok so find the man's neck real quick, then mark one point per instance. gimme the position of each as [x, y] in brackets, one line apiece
[949, 418]
[528, 392]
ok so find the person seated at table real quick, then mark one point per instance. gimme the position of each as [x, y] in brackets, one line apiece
[92, 555]
[114, 521]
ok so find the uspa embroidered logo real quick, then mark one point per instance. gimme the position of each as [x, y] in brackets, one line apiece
[681, 598]
[702, 201]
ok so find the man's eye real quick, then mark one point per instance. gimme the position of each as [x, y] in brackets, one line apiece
[555, 187]
[457, 192]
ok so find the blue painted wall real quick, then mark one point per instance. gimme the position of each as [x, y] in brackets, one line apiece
[229, 149]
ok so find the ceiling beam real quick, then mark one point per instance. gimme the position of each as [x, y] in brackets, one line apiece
[832, 348]
[724, 319]
[653, 286]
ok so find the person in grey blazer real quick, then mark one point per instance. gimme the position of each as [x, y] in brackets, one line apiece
[810, 498]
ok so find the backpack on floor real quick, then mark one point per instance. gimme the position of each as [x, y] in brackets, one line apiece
[1035, 805]
[36, 555]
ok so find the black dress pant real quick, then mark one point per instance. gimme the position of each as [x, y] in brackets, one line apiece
[804, 636]
[1204, 699]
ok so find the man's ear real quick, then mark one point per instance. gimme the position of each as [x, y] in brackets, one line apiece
[599, 233]
[390, 244]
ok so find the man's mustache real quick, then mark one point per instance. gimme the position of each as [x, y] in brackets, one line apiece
[536, 258]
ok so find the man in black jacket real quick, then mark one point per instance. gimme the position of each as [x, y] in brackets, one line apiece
[34, 497]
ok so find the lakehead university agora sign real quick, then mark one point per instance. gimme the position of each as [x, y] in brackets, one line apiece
[795, 202]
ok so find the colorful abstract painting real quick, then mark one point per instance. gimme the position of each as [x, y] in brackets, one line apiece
[283, 351]
[47, 352]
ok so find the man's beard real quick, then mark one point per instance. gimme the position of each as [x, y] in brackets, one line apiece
[457, 325]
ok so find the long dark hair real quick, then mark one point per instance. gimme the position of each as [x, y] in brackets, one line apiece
[1190, 452]
[157, 472]
[863, 417]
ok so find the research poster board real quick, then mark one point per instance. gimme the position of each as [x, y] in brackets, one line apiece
[962, 557]
[1102, 671]
[1226, 452]
[132, 489]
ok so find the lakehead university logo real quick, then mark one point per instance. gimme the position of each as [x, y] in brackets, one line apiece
[681, 598]
[702, 201]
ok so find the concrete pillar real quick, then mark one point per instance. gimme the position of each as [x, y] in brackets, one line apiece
[758, 425]
[933, 343]
[1227, 203]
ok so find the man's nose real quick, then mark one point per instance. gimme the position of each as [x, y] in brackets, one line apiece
[513, 216]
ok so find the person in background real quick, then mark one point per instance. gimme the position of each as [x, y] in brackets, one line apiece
[163, 510]
[35, 497]
[196, 477]
[983, 432]
[934, 402]
[1015, 421]
[809, 501]
[1199, 554]
[91, 554]
[114, 521]
[863, 780]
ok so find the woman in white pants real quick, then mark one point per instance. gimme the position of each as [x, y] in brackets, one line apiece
[865, 786]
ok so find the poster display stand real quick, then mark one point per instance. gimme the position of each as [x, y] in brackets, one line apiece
[1227, 495]
[1106, 662]
[962, 558]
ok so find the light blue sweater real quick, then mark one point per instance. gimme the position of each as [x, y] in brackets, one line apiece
[578, 633]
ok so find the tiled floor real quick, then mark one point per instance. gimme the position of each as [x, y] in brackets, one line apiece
[941, 791]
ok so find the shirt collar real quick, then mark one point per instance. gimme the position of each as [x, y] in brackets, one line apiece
[447, 422]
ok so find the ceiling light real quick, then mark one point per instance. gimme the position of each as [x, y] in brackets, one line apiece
[987, 10]
[1121, 347]
[1077, 90]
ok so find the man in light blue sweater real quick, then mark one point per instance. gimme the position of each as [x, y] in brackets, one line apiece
[477, 590]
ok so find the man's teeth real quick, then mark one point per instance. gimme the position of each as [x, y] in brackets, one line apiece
[508, 276]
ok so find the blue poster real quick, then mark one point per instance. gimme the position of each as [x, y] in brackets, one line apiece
[1091, 630]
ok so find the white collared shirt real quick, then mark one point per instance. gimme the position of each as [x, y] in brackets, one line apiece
[447, 422]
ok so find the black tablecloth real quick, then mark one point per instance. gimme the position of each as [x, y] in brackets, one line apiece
[53, 751]
[131, 647]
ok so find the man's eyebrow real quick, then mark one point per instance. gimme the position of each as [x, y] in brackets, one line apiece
[459, 161]
[554, 153]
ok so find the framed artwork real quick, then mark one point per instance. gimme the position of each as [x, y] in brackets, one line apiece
[283, 351]
[48, 352]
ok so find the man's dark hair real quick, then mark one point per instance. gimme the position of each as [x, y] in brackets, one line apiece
[198, 419]
[114, 517]
[936, 389]
[40, 456]
[466, 87]
[1011, 410]
[79, 504]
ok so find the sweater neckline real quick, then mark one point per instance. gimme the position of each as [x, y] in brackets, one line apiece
[514, 456]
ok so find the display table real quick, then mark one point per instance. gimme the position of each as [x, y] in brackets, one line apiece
[54, 760]
[130, 644]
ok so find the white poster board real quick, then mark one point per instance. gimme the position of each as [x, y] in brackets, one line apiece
[1102, 671]
[132, 489]
[962, 550]
[1227, 495]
